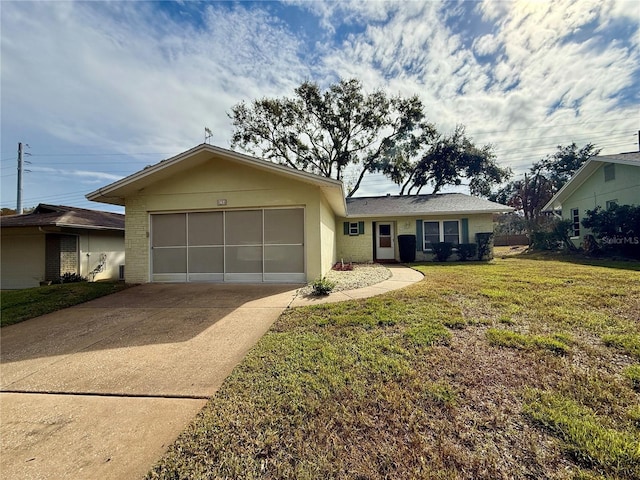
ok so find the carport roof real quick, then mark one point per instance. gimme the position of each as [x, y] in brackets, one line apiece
[45, 215]
[115, 193]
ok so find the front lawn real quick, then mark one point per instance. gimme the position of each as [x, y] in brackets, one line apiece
[520, 368]
[19, 305]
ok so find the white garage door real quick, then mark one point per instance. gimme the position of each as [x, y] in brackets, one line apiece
[263, 245]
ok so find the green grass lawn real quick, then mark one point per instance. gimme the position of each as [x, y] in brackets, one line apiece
[520, 368]
[19, 305]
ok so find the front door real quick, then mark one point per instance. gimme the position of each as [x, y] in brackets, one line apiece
[384, 241]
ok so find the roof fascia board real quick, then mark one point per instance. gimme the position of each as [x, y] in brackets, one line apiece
[228, 154]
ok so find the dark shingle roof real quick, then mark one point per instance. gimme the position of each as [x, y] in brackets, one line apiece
[411, 205]
[62, 216]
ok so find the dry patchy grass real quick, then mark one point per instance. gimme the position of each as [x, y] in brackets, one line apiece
[520, 368]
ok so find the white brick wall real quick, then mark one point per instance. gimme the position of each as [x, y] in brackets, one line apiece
[136, 241]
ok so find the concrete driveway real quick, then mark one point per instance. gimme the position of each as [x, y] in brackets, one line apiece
[101, 389]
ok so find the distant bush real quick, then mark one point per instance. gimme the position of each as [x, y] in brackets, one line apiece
[69, 277]
[617, 229]
[553, 235]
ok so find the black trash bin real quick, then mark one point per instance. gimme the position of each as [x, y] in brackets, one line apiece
[407, 247]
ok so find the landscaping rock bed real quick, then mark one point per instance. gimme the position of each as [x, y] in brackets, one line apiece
[362, 275]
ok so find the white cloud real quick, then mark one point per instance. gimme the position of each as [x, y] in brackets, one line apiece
[125, 77]
[486, 45]
[87, 174]
[86, 76]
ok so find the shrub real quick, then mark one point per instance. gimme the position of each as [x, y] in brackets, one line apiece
[322, 286]
[555, 236]
[618, 228]
[467, 251]
[485, 245]
[69, 277]
[442, 250]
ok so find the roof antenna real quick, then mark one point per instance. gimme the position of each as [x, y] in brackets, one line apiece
[207, 135]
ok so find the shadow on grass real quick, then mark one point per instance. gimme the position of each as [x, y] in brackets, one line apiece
[581, 259]
[578, 259]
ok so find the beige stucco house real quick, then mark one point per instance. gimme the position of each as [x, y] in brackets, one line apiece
[55, 239]
[211, 214]
[600, 182]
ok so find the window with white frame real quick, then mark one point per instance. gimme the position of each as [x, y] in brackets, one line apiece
[440, 231]
[353, 228]
[575, 219]
[611, 203]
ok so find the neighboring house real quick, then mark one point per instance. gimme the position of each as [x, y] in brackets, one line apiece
[53, 240]
[211, 214]
[600, 182]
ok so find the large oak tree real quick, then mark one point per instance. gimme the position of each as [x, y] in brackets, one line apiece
[345, 131]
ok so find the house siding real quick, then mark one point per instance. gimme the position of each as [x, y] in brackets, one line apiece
[328, 237]
[95, 244]
[31, 256]
[595, 192]
[240, 187]
[22, 258]
[359, 248]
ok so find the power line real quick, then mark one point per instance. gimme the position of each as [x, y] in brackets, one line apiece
[609, 120]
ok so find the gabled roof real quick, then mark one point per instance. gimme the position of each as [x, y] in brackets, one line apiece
[585, 171]
[412, 205]
[62, 216]
[115, 193]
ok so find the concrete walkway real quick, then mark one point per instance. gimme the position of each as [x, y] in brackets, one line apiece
[101, 390]
[401, 277]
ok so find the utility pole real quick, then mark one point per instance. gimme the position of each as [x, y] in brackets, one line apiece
[19, 201]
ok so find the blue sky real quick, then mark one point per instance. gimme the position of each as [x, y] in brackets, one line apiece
[99, 90]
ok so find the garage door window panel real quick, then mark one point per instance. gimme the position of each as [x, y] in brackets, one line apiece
[284, 226]
[206, 228]
[169, 230]
[206, 259]
[244, 260]
[243, 227]
[170, 260]
[283, 258]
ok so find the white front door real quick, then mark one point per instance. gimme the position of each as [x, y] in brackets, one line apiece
[384, 241]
